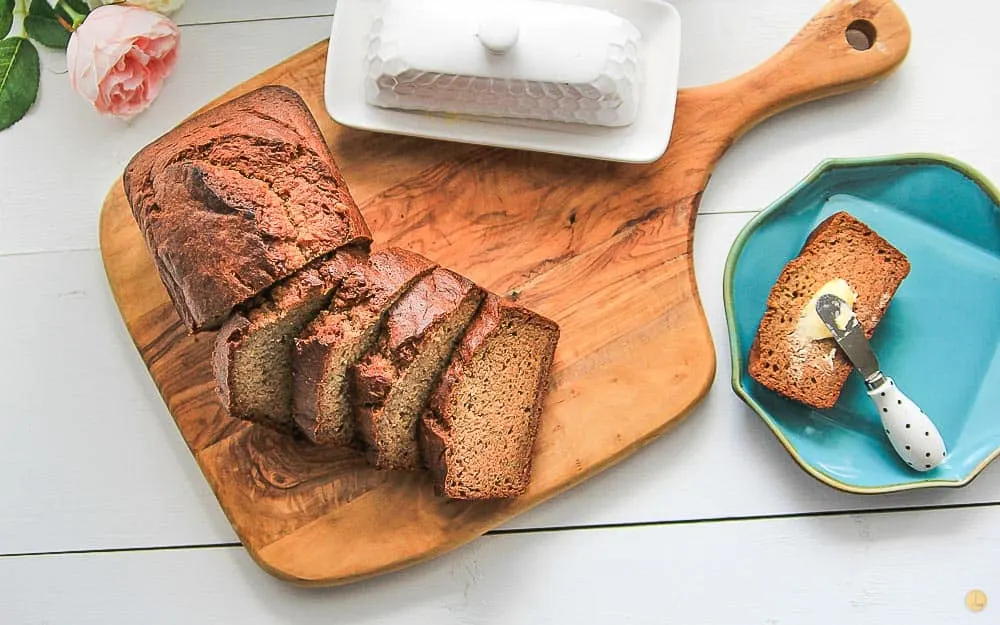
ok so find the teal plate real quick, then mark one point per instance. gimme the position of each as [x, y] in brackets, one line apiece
[939, 339]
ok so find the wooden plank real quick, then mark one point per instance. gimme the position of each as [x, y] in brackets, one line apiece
[913, 110]
[723, 448]
[77, 502]
[84, 500]
[891, 569]
[603, 249]
[102, 464]
[933, 104]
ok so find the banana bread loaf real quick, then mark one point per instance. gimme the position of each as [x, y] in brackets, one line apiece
[478, 432]
[393, 381]
[339, 336]
[237, 198]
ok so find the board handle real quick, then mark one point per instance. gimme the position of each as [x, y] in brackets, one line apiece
[849, 44]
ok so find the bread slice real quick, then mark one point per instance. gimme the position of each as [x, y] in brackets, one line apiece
[393, 381]
[479, 429]
[813, 372]
[253, 349]
[239, 197]
[339, 336]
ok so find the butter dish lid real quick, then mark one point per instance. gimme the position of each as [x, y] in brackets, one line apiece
[535, 40]
[525, 59]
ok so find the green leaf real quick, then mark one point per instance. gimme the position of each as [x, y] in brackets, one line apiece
[41, 8]
[6, 17]
[19, 77]
[42, 25]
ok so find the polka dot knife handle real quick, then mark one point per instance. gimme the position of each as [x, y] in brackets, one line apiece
[910, 431]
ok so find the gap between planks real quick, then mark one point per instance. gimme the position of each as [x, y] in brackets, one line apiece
[561, 528]
[252, 20]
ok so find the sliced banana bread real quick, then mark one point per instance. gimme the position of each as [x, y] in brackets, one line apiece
[809, 370]
[393, 381]
[237, 198]
[339, 336]
[478, 432]
[253, 349]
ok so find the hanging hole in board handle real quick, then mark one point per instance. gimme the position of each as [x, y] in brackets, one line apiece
[860, 35]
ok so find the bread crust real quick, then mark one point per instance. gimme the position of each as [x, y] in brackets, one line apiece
[238, 198]
[374, 286]
[437, 420]
[409, 327]
[317, 281]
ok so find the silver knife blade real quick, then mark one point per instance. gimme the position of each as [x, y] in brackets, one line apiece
[851, 338]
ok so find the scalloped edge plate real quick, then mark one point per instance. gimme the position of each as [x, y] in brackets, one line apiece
[781, 420]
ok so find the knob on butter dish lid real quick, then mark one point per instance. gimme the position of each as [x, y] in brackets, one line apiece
[526, 59]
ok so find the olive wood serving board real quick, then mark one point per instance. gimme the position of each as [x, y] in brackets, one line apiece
[605, 249]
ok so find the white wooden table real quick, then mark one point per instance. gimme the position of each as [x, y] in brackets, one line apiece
[104, 517]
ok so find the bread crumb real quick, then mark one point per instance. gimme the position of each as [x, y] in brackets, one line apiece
[829, 358]
[799, 348]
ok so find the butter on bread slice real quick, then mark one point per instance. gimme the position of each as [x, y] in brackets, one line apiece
[801, 367]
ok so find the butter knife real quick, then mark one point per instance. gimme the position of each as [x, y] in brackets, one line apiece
[910, 431]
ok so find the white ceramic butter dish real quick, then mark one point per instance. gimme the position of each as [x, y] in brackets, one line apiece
[524, 59]
[591, 78]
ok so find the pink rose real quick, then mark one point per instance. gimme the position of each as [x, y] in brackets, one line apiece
[119, 57]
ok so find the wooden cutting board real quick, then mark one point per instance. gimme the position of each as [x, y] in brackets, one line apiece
[604, 249]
